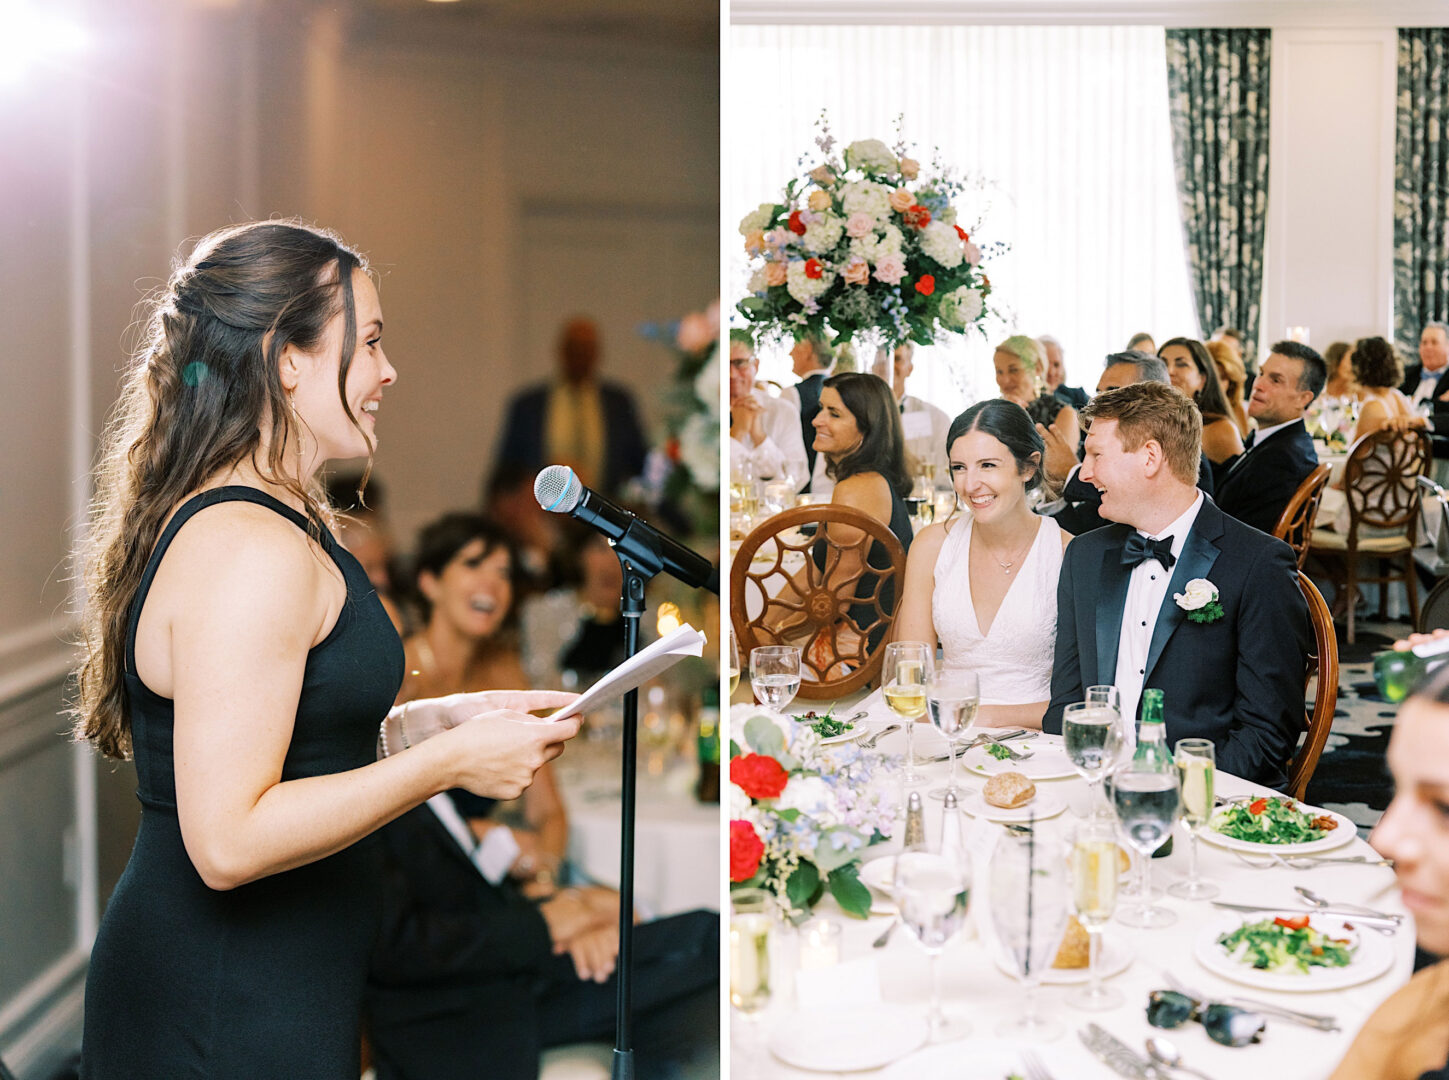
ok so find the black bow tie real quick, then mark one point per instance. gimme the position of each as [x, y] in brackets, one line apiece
[1139, 549]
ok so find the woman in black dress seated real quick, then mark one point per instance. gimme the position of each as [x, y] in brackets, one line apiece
[243, 657]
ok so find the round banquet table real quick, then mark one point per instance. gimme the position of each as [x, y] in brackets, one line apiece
[976, 990]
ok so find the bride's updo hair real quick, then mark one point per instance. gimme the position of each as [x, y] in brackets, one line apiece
[1007, 423]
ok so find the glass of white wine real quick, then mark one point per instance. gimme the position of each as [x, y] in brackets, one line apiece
[952, 698]
[904, 674]
[1196, 766]
[734, 663]
[775, 675]
[1095, 871]
[752, 918]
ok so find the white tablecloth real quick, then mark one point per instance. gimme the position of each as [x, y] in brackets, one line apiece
[974, 988]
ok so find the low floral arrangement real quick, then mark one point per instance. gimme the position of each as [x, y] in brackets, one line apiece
[802, 814]
[864, 244]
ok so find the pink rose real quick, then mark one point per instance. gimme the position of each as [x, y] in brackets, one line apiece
[776, 274]
[902, 200]
[856, 271]
[910, 168]
[890, 269]
[858, 225]
[777, 238]
[822, 175]
[695, 333]
[755, 242]
[819, 201]
[972, 253]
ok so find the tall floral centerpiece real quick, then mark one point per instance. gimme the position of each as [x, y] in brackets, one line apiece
[865, 244]
[802, 815]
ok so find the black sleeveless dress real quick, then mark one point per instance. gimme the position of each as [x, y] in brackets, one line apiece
[863, 615]
[262, 982]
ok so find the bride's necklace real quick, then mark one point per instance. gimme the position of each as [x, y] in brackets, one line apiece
[1009, 565]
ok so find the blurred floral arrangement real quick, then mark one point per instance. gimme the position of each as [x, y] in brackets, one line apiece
[802, 815]
[864, 244]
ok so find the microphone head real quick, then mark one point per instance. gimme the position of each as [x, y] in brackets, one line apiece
[557, 489]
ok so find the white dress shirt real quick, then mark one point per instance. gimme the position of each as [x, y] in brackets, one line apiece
[1146, 594]
[925, 428]
[782, 451]
[1428, 384]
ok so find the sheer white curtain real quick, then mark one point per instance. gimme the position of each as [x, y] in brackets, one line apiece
[1067, 125]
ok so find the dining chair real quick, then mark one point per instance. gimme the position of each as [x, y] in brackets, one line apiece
[1295, 524]
[1434, 611]
[1323, 663]
[841, 612]
[1383, 506]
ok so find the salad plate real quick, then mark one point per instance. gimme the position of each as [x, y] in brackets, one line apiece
[832, 730]
[1277, 824]
[1279, 940]
[985, 1059]
[1048, 761]
[864, 1036]
[1042, 805]
[1116, 958]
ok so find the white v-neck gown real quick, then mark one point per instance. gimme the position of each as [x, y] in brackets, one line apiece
[1013, 659]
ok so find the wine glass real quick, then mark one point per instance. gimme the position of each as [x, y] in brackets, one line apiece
[1092, 736]
[952, 698]
[907, 666]
[1094, 896]
[1146, 797]
[775, 675]
[933, 890]
[1196, 766]
[1109, 697]
[752, 916]
[1029, 915]
[734, 663]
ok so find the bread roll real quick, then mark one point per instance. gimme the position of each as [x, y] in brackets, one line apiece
[1076, 947]
[1008, 790]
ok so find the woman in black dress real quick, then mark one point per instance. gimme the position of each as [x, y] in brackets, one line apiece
[244, 659]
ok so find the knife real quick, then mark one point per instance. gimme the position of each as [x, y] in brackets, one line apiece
[1351, 916]
[1117, 1055]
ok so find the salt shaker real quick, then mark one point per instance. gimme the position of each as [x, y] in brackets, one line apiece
[915, 834]
[951, 843]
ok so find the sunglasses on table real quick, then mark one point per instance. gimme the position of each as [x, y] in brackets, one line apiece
[1225, 1024]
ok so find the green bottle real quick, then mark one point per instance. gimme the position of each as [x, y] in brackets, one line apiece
[1152, 746]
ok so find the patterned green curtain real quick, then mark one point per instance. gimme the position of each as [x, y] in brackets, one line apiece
[1217, 83]
[1421, 185]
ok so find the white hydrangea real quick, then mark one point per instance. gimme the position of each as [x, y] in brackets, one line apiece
[813, 797]
[960, 308]
[739, 803]
[706, 385]
[871, 155]
[823, 233]
[757, 220]
[947, 215]
[873, 248]
[758, 282]
[699, 447]
[803, 288]
[940, 242]
[866, 197]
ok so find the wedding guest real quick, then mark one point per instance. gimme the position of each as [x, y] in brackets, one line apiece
[811, 359]
[362, 528]
[539, 553]
[1233, 378]
[1421, 380]
[1142, 342]
[1020, 376]
[1233, 674]
[1407, 1037]
[1258, 485]
[1378, 371]
[923, 425]
[1193, 373]
[1056, 374]
[574, 634]
[961, 572]
[1341, 385]
[578, 420]
[764, 430]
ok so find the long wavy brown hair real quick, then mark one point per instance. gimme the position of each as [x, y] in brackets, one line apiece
[201, 388]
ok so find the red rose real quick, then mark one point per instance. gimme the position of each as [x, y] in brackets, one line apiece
[746, 850]
[926, 284]
[918, 216]
[758, 775]
[814, 268]
[962, 233]
[795, 225]
[671, 449]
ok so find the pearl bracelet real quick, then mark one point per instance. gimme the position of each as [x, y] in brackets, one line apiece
[382, 738]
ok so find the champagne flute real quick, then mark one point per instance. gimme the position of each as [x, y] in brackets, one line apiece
[1092, 736]
[1029, 916]
[752, 916]
[775, 675]
[907, 666]
[734, 662]
[952, 698]
[1094, 895]
[933, 890]
[1145, 795]
[1196, 766]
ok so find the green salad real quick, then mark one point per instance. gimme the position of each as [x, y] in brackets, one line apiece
[1272, 821]
[827, 727]
[999, 752]
[1286, 946]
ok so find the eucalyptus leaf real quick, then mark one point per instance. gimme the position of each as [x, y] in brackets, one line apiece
[764, 736]
[838, 845]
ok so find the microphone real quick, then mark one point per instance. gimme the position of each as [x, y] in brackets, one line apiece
[559, 491]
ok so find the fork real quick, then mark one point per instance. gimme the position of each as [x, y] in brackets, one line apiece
[869, 744]
[1035, 1070]
[1307, 862]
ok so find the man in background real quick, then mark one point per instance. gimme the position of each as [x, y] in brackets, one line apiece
[812, 359]
[923, 425]
[764, 430]
[1422, 380]
[1056, 374]
[577, 420]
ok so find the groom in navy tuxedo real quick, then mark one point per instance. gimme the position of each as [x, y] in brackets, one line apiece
[1231, 670]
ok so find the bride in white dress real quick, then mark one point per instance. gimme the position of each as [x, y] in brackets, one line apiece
[984, 583]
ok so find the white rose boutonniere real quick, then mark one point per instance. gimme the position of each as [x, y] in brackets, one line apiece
[1200, 601]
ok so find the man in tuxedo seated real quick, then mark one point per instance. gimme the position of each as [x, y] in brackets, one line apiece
[1278, 457]
[471, 979]
[1422, 379]
[1078, 510]
[1233, 671]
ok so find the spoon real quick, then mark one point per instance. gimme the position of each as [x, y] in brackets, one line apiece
[1319, 902]
[870, 742]
[1164, 1053]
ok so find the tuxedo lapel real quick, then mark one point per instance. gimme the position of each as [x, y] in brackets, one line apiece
[1198, 555]
[1111, 596]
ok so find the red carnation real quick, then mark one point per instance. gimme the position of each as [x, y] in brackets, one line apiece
[814, 268]
[918, 216]
[962, 233]
[746, 850]
[926, 284]
[795, 225]
[758, 775]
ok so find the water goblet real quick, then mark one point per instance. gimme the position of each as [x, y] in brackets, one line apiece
[1094, 896]
[1195, 759]
[933, 891]
[1091, 736]
[1146, 797]
[952, 698]
[1029, 916]
[903, 676]
[775, 675]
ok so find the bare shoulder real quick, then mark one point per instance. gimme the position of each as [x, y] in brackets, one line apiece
[868, 492]
[929, 540]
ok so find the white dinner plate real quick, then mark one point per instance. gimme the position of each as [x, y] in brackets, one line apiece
[1343, 834]
[851, 1037]
[1116, 958]
[1048, 762]
[1374, 956]
[880, 874]
[980, 1059]
[1043, 805]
